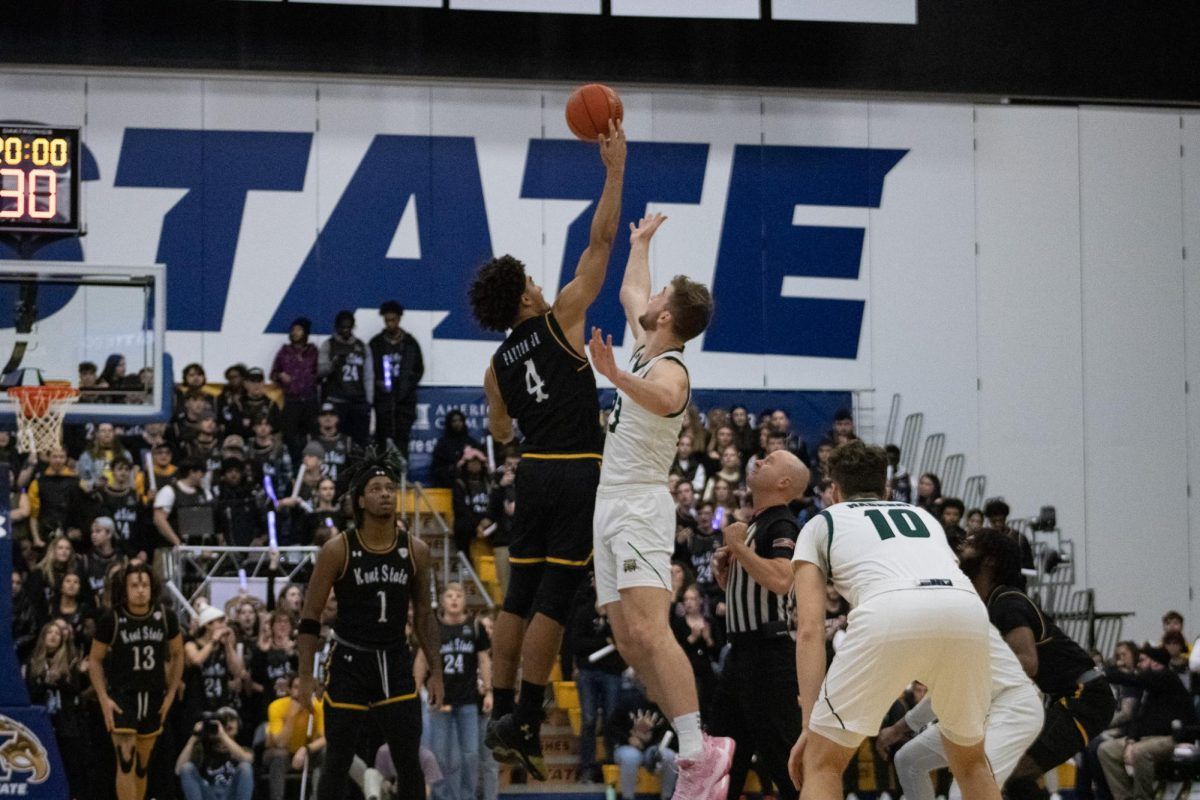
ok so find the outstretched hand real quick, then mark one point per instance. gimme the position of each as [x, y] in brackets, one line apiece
[601, 351]
[644, 230]
[612, 147]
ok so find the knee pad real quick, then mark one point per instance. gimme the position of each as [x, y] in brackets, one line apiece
[523, 584]
[556, 594]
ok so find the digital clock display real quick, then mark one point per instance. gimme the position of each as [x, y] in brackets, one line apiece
[39, 179]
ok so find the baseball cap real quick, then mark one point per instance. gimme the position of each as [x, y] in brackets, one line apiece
[313, 449]
[329, 408]
[210, 614]
[233, 442]
[254, 374]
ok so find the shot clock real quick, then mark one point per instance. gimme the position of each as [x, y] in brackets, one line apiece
[39, 179]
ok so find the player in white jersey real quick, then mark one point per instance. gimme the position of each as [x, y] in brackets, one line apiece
[633, 529]
[915, 616]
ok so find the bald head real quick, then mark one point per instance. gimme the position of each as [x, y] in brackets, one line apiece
[778, 478]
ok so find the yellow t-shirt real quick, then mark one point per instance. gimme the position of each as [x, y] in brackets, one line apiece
[277, 714]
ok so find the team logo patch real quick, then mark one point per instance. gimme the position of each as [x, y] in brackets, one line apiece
[21, 751]
[403, 551]
[630, 565]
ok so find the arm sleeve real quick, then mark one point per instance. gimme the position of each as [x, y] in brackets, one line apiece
[813, 542]
[920, 716]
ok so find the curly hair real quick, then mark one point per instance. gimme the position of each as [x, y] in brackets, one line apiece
[495, 294]
[373, 462]
[120, 586]
[1001, 549]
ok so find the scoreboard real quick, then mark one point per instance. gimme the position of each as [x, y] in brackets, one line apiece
[39, 179]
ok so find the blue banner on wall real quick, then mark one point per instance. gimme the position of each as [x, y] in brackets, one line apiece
[811, 414]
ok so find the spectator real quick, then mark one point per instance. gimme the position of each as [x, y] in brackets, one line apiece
[183, 510]
[335, 445]
[502, 509]
[204, 444]
[685, 504]
[398, 367]
[270, 460]
[289, 744]
[113, 377]
[161, 457]
[454, 727]
[694, 632]
[348, 377]
[974, 520]
[44, 581]
[685, 465]
[449, 448]
[212, 765]
[793, 442]
[837, 612]
[599, 681]
[693, 426]
[70, 606]
[55, 677]
[1125, 659]
[720, 439]
[229, 402]
[273, 658]
[213, 664]
[295, 370]
[96, 462]
[255, 403]
[929, 491]
[730, 473]
[996, 512]
[471, 497]
[901, 483]
[1148, 741]
[1177, 649]
[327, 518]
[951, 516]
[240, 508]
[639, 727]
[116, 499]
[53, 498]
[843, 427]
[141, 441]
[103, 556]
[1172, 621]
[25, 617]
[743, 433]
[194, 380]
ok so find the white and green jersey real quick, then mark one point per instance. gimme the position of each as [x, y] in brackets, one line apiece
[865, 546]
[639, 446]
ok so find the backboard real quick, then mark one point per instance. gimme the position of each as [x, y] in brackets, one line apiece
[54, 316]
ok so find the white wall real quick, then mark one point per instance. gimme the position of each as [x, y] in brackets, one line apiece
[1023, 276]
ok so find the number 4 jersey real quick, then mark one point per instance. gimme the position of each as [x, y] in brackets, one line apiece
[138, 647]
[549, 389]
[865, 545]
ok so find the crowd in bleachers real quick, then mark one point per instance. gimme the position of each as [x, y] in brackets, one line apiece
[255, 464]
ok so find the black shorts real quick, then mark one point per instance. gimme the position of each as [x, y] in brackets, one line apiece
[361, 679]
[139, 712]
[556, 498]
[1070, 724]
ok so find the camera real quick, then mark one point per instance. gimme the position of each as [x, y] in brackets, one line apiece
[212, 724]
[1046, 520]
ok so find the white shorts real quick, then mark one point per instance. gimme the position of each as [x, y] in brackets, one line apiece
[938, 636]
[633, 537]
[1014, 722]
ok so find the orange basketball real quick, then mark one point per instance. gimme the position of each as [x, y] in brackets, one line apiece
[589, 109]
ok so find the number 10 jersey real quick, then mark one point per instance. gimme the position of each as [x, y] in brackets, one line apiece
[549, 389]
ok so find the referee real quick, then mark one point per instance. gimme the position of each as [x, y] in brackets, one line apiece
[755, 703]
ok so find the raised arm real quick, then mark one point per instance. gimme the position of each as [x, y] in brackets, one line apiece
[664, 390]
[499, 422]
[635, 287]
[425, 624]
[330, 561]
[571, 304]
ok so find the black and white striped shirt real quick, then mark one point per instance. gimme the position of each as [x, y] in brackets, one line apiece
[749, 606]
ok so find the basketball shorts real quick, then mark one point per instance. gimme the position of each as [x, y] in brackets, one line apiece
[935, 635]
[555, 498]
[358, 680]
[139, 712]
[1071, 722]
[634, 536]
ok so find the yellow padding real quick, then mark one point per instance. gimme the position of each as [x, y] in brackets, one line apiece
[647, 782]
[566, 696]
[556, 670]
[487, 568]
[439, 499]
[576, 717]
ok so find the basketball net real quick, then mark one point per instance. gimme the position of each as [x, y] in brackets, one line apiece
[39, 412]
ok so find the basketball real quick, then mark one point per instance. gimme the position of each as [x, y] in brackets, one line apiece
[590, 107]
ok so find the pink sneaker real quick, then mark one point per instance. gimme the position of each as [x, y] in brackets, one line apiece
[706, 778]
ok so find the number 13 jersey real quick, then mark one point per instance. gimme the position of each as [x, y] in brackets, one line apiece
[549, 389]
[139, 647]
[865, 546]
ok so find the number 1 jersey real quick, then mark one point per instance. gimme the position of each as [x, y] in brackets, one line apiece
[863, 545]
[549, 389]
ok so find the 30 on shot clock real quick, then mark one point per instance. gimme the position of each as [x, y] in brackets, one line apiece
[39, 179]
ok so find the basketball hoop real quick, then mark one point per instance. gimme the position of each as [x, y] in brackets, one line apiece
[39, 413]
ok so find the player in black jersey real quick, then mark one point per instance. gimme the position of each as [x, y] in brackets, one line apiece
[541, 379]
[135, 665]
[1079, 702]
[375, 572]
